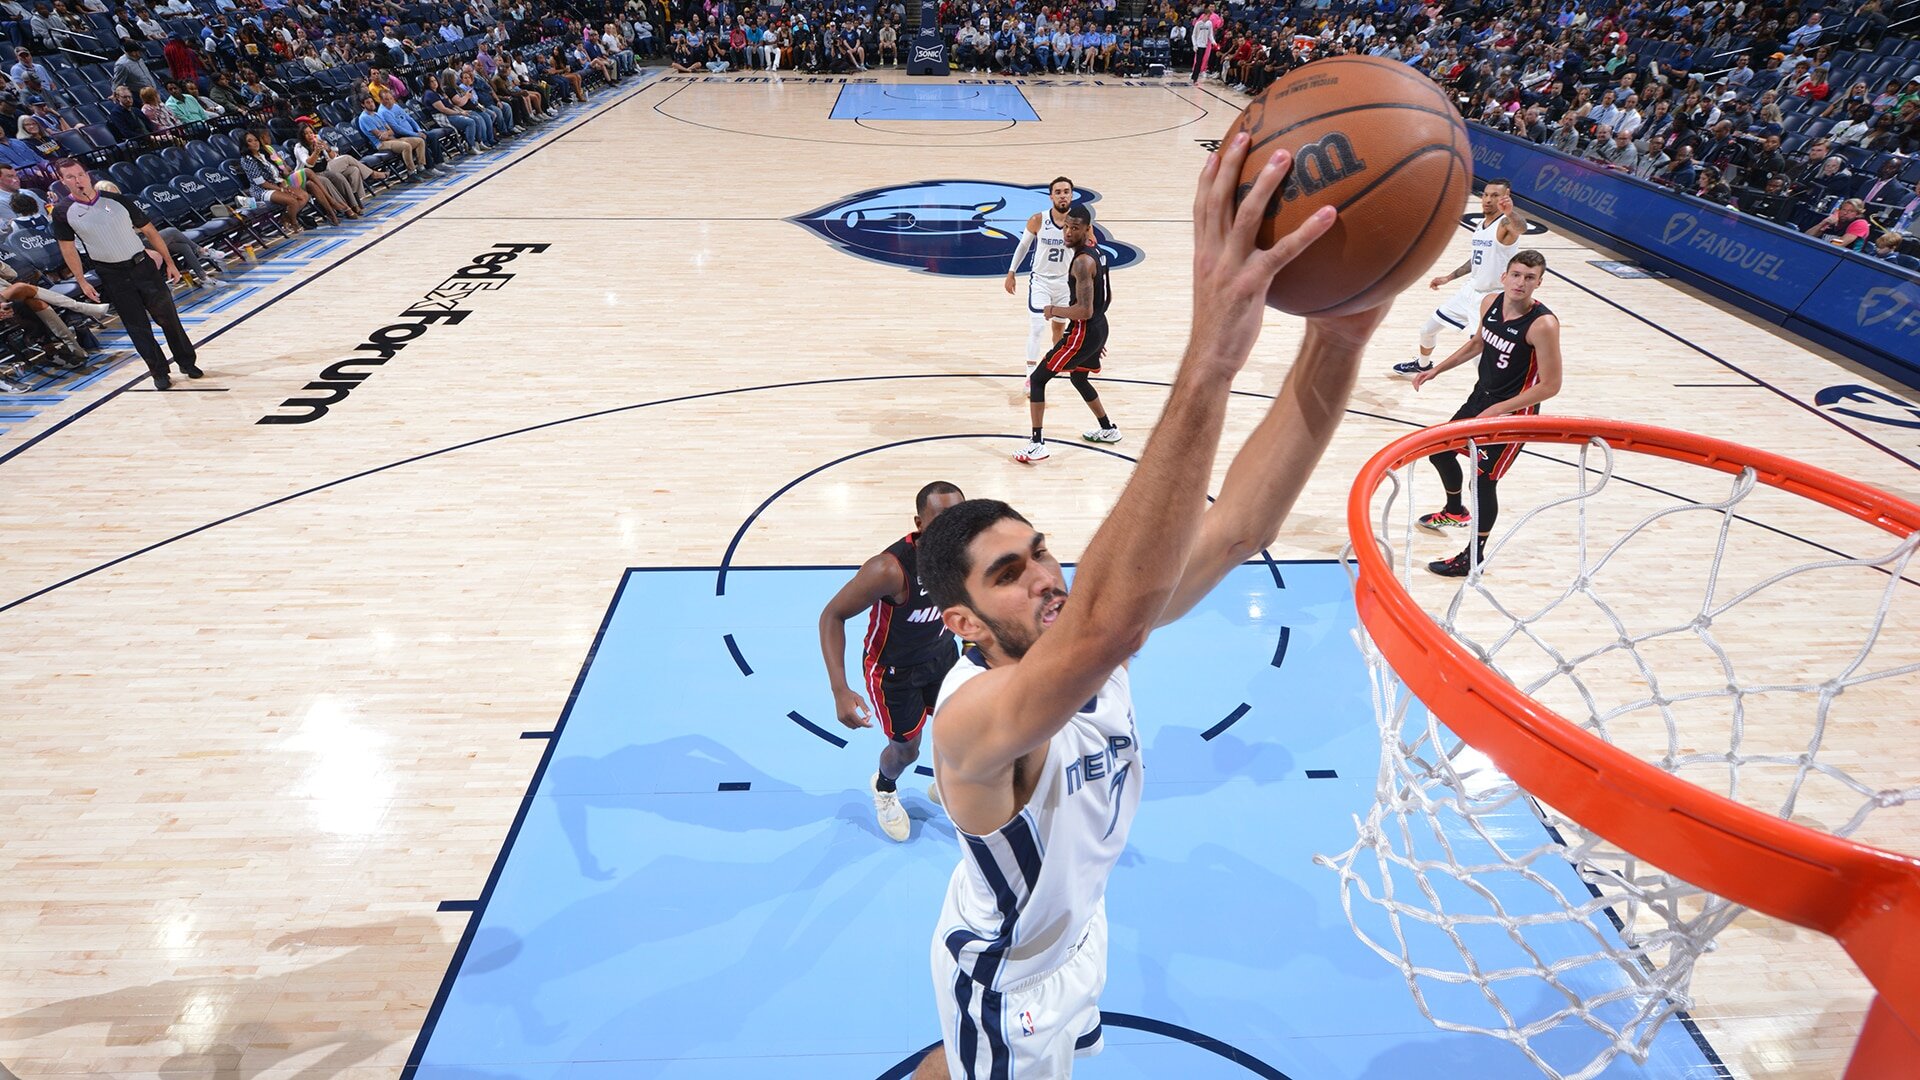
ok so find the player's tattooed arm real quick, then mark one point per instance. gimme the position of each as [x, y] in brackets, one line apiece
[1082, 309]
[1460, 271]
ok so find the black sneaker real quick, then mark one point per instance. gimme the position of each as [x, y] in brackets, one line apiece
[161, 382]
[1454, 567]
[189, 370]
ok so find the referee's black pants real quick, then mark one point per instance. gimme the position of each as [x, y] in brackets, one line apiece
[138, 292]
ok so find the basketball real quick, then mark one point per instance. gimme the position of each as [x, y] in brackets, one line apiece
[1382, 144]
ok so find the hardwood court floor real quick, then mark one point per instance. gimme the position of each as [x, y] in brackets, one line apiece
[264, 683]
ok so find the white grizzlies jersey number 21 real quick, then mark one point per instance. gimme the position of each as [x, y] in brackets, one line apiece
[1050, 257]
[1023, 896]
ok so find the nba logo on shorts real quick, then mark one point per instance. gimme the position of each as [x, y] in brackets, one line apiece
[1026, 1023]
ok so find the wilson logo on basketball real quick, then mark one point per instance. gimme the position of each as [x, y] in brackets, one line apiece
[1320, 165]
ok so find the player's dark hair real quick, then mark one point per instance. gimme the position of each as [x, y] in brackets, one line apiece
[944, 562]
[1497, 182]
[1081, 213]
[1057, 181]
[938, 487]
[1529, 257]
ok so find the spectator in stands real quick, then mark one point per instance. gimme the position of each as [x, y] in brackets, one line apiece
[154, 111]
[889, 49]
[131, 71]
[50, 121]
[123, 116]
[267, 184]
[225, 95]
[1682, 172]
[1815, 87]
[1847, 223]
[472, 126]
[1708, 185]
[1833, 180]
[185, 107]
[1884, 188]
[25, 65]
[1854, 130]
[20, 155]
[256, 93]
[1566, 138]
[405, 126]
[1653, 156]
[315, 153]
[559, 67]
[412, 149]
[1808, 34]
[1888, 247]
[1742, 73]
[182, 62]
[1617, 152]
[35, 135]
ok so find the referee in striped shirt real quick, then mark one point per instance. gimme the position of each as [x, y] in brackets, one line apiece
[129, 254]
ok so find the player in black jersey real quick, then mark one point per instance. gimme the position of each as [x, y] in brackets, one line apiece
[1518, 340]
[908, 651]
[1077, 353]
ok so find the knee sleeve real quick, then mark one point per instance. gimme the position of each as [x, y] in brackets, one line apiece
[1037, 384]
[1430, 333]
[1447, 464]
[1084, 383]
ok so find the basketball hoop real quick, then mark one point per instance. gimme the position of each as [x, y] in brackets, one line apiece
[1481, 799]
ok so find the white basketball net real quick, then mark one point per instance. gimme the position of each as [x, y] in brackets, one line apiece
[1505, 917]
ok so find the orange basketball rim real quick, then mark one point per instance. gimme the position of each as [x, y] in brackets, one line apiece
[1866, 898]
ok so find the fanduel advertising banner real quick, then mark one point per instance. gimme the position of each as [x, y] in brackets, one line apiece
[1784, 277]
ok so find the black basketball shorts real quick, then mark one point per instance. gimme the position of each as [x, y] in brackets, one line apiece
[904, 696]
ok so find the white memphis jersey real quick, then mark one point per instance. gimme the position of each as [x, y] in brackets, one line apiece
[1051, 259]
[1490, 256]
[1023, 897]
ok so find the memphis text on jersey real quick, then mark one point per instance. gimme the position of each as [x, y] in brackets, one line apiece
[482, 273]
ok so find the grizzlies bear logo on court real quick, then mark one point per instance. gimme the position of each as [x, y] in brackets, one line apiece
[961, 228]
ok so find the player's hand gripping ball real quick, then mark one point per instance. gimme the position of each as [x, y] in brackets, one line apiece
[1383, 144]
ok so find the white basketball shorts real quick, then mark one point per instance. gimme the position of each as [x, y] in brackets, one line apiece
[1033, 1029]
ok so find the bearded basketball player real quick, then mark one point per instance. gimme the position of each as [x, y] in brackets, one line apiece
[1518, 341]
[908, 651]
[1035, 749]
[1047, 282]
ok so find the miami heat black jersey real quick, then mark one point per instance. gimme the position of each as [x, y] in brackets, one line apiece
[1102, 294]
[1507, 363]
[909, 634]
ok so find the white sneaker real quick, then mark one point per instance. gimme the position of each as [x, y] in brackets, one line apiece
[886, 807]
[1106, 435]
[933, 795]
[1033, 452]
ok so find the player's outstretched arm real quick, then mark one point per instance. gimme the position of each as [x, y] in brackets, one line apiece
[1135, 560]
[1269, 472]
[877, 578]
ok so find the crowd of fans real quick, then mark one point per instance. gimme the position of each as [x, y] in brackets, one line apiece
[1803, 114]
[234, 124]
[1808, 116]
